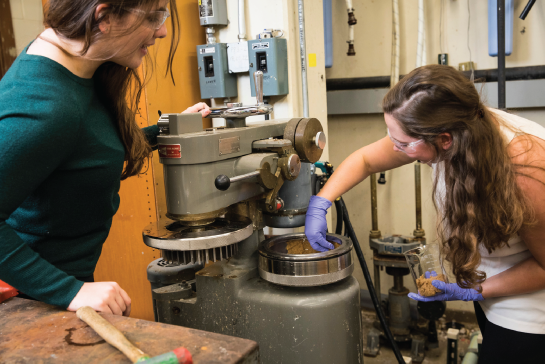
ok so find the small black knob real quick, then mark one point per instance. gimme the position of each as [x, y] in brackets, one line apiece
[382, 179]
[222, 182]
[352, 18]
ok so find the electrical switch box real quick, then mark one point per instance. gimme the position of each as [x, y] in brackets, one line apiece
[213, 12]
[269, 55]
[214, 77]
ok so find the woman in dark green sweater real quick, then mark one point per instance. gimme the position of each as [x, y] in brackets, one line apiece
[68, 136]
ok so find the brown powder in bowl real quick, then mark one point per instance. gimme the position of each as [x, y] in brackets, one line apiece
[425, 288]
[302, 246]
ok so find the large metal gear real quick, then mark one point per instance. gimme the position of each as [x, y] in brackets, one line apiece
[203, 256]
[182, 244]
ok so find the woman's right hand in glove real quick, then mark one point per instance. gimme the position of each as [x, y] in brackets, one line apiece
[106, 297]
[316, 224]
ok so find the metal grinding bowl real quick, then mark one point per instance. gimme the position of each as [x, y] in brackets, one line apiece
[277, 265]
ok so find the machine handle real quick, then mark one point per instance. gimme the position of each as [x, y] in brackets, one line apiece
[258, 80]
[223, 182]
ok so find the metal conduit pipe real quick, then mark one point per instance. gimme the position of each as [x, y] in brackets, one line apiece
[351, 22]
[241, 21]
[394, 69]
[375, 232]
[419, 231]
[488, 75]
[421, 42]
[303, 51]
[501, 54]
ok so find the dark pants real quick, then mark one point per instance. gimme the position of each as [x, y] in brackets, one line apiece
[89, 279]
[502, 345]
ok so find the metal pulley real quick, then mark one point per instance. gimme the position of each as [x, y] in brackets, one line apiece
[308, 138]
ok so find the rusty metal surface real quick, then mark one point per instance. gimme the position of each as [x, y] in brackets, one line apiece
[34, 332]
[390, 261]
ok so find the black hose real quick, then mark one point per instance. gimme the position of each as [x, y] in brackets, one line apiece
[340, 220]
[527, 9]
[348, 226]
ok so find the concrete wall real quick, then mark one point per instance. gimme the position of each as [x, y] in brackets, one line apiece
[27, 18]
[373, 48]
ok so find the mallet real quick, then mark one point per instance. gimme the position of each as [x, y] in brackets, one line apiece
[115, 338]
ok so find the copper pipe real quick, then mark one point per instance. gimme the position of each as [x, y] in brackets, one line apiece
[375, 232]
[418, 232]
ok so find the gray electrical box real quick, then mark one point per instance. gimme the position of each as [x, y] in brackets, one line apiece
[214, 77]
[269, 55]
[213, 12]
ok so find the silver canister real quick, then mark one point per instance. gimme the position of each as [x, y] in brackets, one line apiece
[277, 265]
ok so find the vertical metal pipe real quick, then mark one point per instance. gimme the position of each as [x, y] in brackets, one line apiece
[241, 21]
[374, 210]
[303, 51]
[398, 282]
[377, 277]
[418, 195]
[501, 54]
[418, 232]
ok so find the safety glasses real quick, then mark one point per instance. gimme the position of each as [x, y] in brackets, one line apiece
[155, 19]
[405, 147]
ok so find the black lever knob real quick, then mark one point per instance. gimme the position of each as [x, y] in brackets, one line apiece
[382, 178]
[222, 182]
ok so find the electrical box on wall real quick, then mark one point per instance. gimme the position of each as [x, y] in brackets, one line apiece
[269, 55]
[213, 12]
[214, 77]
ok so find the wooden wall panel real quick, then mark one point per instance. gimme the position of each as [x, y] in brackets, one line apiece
[8, 52]
[162, 94]
[125, 257]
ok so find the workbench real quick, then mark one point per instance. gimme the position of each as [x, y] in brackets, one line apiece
[35, 332]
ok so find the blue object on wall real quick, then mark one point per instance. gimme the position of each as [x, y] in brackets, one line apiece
[493, 27]
[328, 33]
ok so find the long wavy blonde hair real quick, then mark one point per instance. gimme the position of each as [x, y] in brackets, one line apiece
[482, 204]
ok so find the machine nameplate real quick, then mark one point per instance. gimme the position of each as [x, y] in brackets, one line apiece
[207, 50]
[229, 145]
[170, 151]
[263, 45]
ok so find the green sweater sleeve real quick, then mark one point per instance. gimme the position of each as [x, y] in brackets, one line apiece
[35, 138]
[151, 133]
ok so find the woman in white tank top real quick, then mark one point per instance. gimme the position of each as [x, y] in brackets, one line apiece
[490, 198]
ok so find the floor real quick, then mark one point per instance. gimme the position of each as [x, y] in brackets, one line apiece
[432, 356]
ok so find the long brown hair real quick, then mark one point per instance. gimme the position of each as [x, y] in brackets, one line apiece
[120, 88]
[482, 203]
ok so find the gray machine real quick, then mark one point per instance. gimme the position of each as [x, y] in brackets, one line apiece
[218, 272]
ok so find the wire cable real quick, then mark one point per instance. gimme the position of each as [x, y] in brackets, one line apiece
[351, 233]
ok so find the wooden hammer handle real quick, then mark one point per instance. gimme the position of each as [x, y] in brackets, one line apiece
[109, 333]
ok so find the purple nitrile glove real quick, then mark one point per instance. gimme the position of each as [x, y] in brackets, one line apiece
[451, 292]
[316, 224]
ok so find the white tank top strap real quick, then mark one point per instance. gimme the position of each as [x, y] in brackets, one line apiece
[517, 125]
